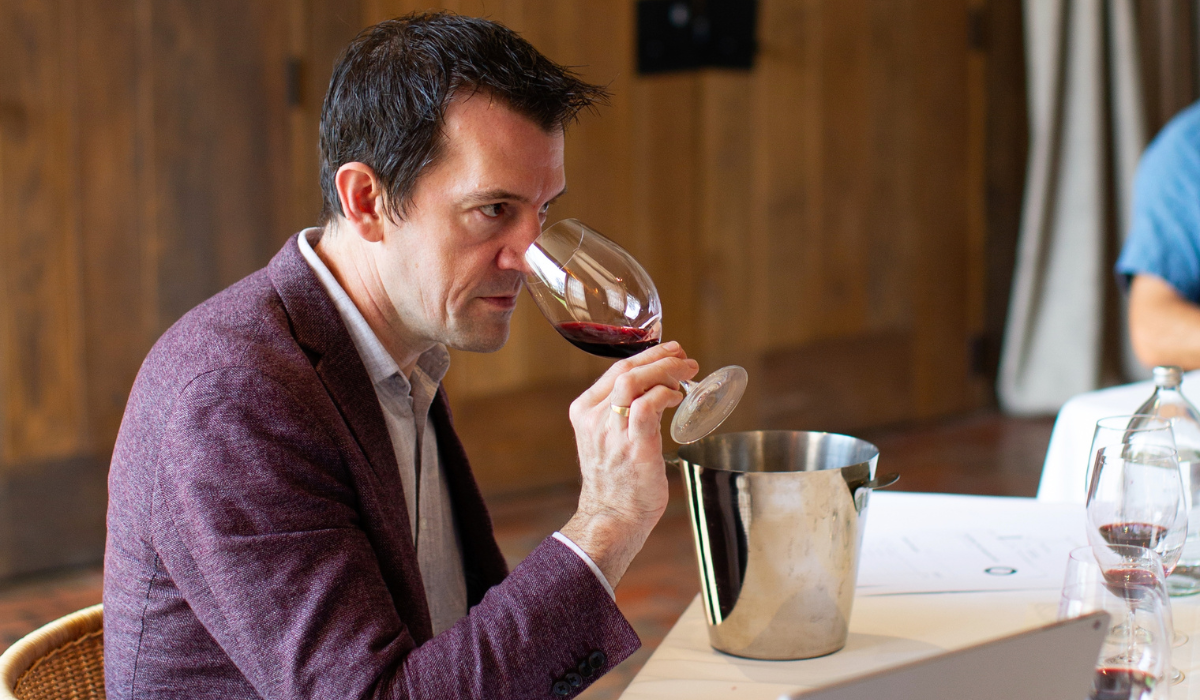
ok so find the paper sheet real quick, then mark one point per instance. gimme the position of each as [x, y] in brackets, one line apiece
[940, 561]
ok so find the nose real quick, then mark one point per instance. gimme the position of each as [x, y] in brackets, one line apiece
[518, 240]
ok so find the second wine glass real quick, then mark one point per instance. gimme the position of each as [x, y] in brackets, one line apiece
[1126, 581]
[600, 299]
[1136, 498]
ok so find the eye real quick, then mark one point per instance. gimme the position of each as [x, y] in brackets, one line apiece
[492, 211]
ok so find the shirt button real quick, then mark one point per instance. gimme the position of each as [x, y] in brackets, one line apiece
[597, 659]
[574, 679]
[561, 688]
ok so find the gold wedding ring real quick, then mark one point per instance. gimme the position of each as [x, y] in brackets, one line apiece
[622, 411]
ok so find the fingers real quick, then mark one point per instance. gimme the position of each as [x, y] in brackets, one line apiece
[634, 383]
[645, 415]
[647, 392]
[599, 391]
[648, 406]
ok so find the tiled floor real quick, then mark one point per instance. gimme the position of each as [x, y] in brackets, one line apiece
[984, 453]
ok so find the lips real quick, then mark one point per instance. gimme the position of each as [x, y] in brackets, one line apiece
[508, 301]
[502, 294]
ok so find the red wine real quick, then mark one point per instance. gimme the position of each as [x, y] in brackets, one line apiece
[1121, 684]
[1131, 583]
[1136, 534]
[606, 341]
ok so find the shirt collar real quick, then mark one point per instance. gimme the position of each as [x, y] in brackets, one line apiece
[380, 365]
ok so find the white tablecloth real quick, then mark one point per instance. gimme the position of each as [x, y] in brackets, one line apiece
[1065, 468]
[889, 630]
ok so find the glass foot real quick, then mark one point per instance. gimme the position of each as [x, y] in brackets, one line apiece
[708, 403]
[1180, 585]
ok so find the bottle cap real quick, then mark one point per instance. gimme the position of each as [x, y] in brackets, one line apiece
[1168, 376]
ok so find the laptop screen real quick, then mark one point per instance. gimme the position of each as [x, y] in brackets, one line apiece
[1053, 662]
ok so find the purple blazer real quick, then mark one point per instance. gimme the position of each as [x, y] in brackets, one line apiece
[258, 542]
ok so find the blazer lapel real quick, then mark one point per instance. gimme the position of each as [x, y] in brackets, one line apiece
[318, 328]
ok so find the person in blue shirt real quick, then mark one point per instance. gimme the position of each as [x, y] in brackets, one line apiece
[1161, 258]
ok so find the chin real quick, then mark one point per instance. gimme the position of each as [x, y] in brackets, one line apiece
[479, 340]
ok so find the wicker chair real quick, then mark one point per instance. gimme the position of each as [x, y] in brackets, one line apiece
[63, 660]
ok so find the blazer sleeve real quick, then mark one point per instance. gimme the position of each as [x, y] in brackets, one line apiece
[257, 522]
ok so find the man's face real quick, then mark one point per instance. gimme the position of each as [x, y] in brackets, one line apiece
[452, 267]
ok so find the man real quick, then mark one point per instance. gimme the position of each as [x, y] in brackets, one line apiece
[1161, 257]
[291, 514]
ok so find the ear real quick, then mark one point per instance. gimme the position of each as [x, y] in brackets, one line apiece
[362, 199]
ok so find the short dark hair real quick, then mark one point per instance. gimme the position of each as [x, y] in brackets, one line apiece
[390, 88]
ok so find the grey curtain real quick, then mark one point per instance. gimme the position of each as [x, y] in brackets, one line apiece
[1103, 76]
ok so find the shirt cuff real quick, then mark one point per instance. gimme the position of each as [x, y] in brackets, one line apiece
[587, 560]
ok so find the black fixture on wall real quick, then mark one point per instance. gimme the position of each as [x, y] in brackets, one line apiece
[678, 35]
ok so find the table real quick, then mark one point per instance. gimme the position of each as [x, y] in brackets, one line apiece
[1066, 458]
[893, 629]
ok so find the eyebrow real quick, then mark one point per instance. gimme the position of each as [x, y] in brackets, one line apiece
[492, 195]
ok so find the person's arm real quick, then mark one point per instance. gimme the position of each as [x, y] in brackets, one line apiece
[624, 490]
[1163, 326]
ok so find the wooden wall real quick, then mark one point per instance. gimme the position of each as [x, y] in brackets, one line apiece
[821, 219]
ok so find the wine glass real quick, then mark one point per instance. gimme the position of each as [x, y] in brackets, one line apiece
[1147, 429]
[1127, 582]
[1136, 498]
[601, 300]
[1135, 430]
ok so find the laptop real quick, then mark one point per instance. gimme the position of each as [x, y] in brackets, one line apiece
[1054, 662]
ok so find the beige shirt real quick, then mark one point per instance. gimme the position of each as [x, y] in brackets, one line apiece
[405, 403]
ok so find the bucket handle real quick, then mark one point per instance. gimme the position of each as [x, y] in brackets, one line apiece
[859, 492]
[880, 482]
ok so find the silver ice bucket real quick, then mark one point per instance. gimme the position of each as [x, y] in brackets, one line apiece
[778, 518]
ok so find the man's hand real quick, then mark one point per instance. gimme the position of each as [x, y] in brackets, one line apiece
[1164, 327]
[624, 477]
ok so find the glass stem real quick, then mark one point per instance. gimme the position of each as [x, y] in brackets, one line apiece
[686, 386]
[1130, 626]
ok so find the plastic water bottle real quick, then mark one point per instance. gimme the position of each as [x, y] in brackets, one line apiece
[1168, 403]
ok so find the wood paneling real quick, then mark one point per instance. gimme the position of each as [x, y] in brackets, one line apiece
[839, 385]
[221, 158]
[1006, 150]
[40, 338]
[821, 219]
[727, 323]
[1168, 53]
[145, 163]
[115, 327]
[939, 105]
[497, 432]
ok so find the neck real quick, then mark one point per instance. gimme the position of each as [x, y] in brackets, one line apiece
[353, 264]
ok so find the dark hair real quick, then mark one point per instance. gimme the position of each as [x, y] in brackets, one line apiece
[389, 91]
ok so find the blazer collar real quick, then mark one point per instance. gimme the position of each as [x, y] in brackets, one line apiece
[319, 330]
